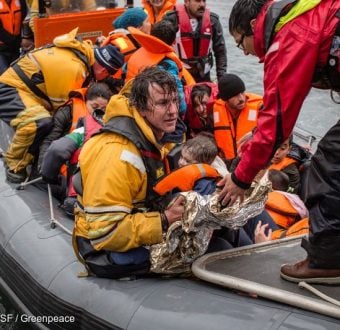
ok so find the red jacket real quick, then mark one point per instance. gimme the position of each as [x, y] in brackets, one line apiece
[296, 50]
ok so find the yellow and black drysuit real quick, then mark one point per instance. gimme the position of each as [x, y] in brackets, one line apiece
[116, 212]
[35, 86]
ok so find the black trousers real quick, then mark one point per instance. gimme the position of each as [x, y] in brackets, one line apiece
[323, 202]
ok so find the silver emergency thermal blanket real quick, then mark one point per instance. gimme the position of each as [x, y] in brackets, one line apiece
[188, 239]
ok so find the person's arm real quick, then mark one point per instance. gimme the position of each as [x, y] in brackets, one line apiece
[112, 184]
[219, 47]
[62, 121]
[283, 98]
[58, 153]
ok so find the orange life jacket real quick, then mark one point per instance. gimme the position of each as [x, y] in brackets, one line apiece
[226, 132]
[168, 5]
[79, 109]
[186, 36]
[11, 16]
[125, 42]
[152, 52]
[127, 45]
[282, 164]
[300, 227]
[281, 210]
[190, 115]
[184, 178]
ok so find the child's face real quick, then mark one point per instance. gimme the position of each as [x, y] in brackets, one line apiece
[186, 158]
[281, 152]
[200, 106]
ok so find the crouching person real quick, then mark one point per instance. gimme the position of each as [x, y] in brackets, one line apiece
[118, 215]
[33, 87]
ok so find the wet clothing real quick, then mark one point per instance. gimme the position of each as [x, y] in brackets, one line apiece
[299, 32]
[12, 15]
[116, 212]
[168, 5]
[33, 88]
[199, 64]
[228, 130]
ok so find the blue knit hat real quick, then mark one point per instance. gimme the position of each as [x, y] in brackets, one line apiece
[131, 17]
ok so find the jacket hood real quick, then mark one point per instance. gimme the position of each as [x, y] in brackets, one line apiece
[259, 33]
[296, 10]
[69, 40]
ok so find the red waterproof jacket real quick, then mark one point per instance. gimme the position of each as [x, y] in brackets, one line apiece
[296, 50]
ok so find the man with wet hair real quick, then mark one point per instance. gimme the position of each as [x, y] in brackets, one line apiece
[119, 214]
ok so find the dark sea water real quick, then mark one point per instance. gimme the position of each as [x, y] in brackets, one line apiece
[318, 113]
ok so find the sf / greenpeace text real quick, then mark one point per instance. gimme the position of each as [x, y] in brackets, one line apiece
[46, 319]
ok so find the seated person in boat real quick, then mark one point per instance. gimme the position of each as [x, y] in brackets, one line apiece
[287, 210]
[66, 149]
[118, 215]
[196, 170]
[34, 87]
[283, 162]
[235, 114]
[200, 98]
[81, 102]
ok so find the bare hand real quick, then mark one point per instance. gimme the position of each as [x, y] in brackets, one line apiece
[260, 233]
[175, 210]
[230, 191]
